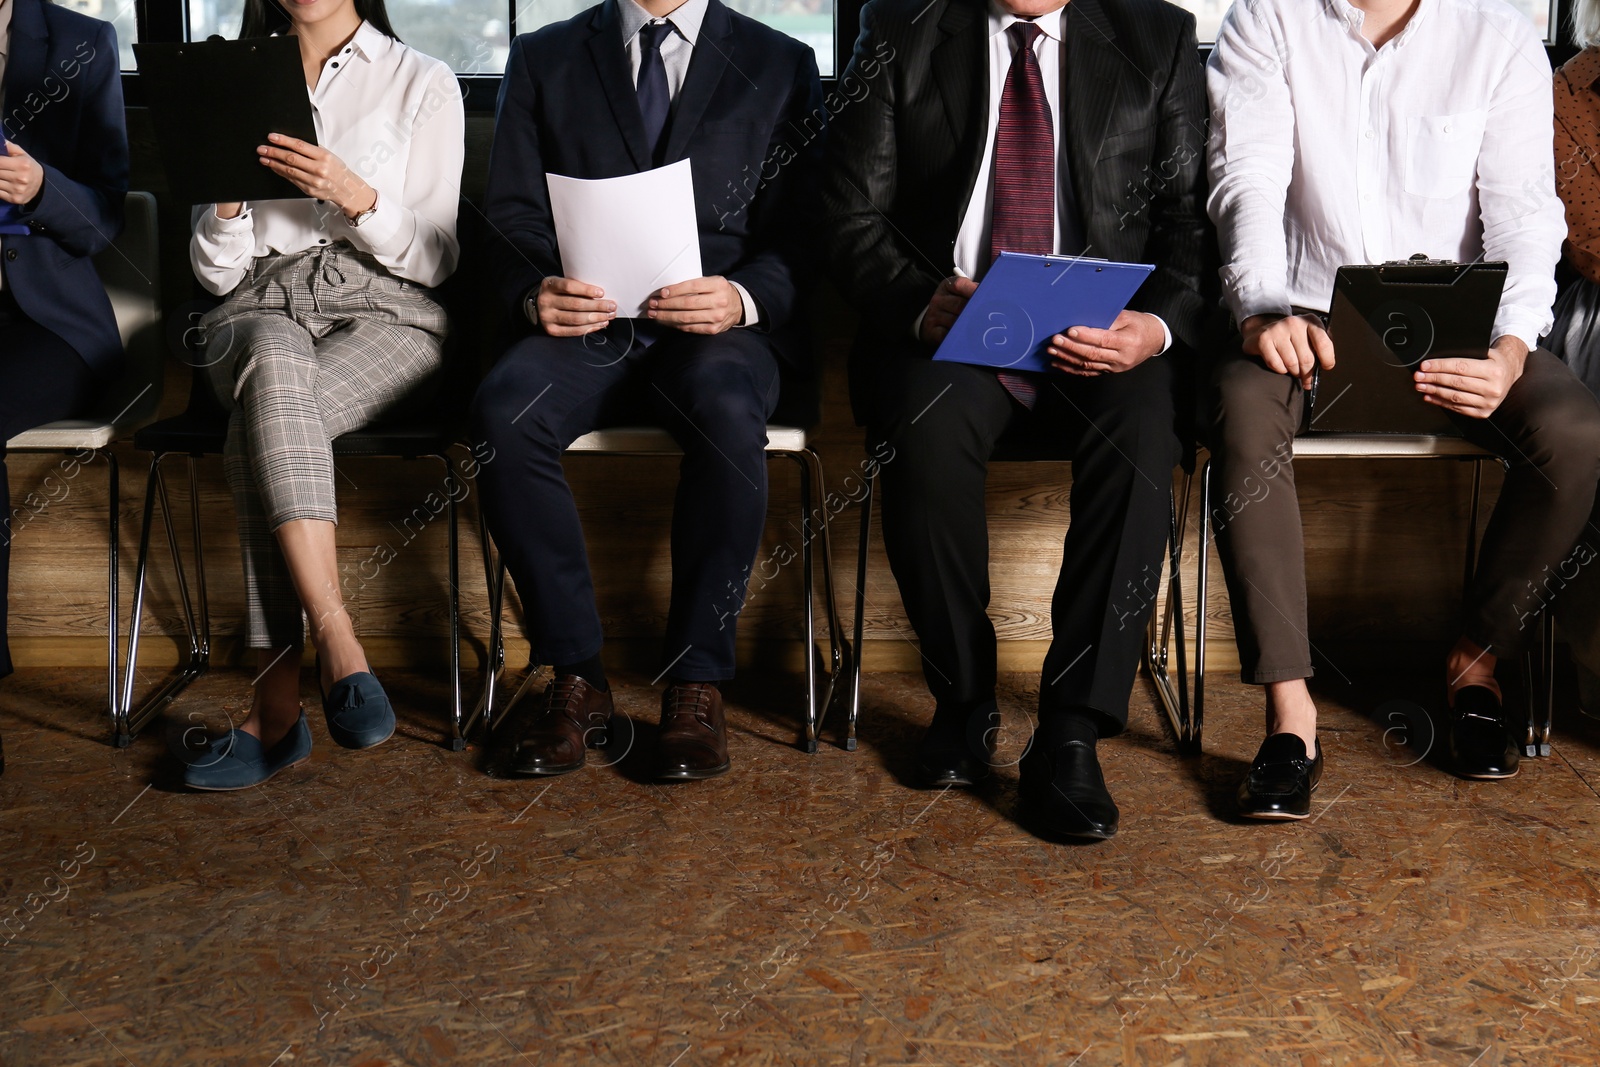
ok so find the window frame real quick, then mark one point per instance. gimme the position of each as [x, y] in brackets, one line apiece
[168, 20]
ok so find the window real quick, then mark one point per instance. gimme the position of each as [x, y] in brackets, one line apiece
[1208, 13]
[123, 16]
[474, 36]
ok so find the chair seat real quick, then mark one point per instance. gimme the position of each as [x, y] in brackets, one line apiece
[66, 434]
[198, 436]
[653, 441]
[1384, 446]
[408, 441]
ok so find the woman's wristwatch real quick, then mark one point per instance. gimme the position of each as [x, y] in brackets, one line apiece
[365, 215]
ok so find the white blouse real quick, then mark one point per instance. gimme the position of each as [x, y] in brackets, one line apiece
[395, 117]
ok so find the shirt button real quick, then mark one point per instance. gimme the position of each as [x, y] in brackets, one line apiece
[336, 63]
[1369, 135]
[322, 240]
[1447, 127]
[11, 254]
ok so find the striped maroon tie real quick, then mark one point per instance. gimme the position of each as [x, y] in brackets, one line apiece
[1023, 218]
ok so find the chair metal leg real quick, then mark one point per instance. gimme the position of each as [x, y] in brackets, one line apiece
[813, 714]
[458, 738]
[838, 647]
[1541, 689]
[1202, 585]
[1472, 527]
[112, 592]
[129, 721]
[1162, 628]
[861, 603]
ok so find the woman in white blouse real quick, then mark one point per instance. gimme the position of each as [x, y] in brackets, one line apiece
[328, 324]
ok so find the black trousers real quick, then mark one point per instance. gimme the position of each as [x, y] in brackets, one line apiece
[943, 421]
[42, 379]
[714, 395]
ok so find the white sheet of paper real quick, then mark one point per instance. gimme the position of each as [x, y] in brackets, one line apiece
[629, 235]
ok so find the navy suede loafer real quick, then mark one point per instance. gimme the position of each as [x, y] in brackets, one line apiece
[236, 760]
[359, 712]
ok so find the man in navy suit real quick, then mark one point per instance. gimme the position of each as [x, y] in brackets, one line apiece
[63, 177]
[619, 89]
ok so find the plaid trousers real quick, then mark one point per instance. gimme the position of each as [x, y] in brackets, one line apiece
[309, 346]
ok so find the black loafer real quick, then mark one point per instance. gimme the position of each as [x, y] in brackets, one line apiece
[1064, 790]
[958, 749]
[1281, 780]
[1483, 744]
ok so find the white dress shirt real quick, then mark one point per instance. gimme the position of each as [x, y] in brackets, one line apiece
[972, 239]
[395, 117]
[1326, 151]
[677, 48]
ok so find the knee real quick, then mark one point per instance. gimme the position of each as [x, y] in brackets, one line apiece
[505, 410]
[1565, 445]
[723, 400]
[1252, 414]
[267, 357]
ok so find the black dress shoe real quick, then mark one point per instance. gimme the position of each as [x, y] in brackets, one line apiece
[1064, 791]
[1483, 744]
[958, 749]
[1281, 780]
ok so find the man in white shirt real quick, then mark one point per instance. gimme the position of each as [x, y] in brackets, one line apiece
[1362, 131]
[1023, 126]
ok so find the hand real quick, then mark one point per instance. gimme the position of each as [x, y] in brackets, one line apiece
[21, 177]
[229, 211]
[1294, 345]
[570, 308]
[1473, 387]
[1133, 338]
[948, 300]
[318, 172]
[703, 305]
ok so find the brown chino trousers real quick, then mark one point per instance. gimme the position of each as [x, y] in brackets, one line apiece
[1547, 430]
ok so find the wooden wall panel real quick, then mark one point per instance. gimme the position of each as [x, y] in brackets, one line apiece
[1383, 540]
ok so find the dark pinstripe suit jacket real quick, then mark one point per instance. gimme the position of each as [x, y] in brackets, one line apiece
[903, 151]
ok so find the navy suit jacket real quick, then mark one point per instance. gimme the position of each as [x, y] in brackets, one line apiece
[63, 106]
[748, 118]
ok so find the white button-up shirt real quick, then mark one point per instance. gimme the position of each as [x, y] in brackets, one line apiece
[972, 239]
[677, 48]
[1327, 151]
[395, 117]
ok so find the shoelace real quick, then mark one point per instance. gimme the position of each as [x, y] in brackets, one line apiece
[561, 698]
[690, 700]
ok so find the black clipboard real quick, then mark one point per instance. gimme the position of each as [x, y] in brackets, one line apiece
[1385, 320]
[214, 102]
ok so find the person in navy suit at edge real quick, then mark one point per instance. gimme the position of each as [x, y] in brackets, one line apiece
[619, 89]
[63, 177]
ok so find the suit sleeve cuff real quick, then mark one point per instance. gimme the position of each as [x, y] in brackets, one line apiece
[752, 310]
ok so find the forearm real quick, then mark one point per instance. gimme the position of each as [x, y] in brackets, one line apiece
[221, 250]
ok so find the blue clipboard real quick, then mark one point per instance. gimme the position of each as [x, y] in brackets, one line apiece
[1025, 300]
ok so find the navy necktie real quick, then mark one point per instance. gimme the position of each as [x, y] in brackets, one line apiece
[655, 97]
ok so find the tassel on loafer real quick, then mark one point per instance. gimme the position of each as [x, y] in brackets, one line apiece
[358, 710]
[236, 760]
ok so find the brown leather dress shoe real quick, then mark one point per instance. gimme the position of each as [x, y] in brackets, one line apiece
[575, 718]
[693, 742]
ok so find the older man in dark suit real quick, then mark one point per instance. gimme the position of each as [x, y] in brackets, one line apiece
[619, 89]
[1023, 126]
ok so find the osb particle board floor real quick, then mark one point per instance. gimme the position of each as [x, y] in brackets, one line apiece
[401, 907]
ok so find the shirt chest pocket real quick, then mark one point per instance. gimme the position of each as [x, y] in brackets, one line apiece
[1442, 153]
